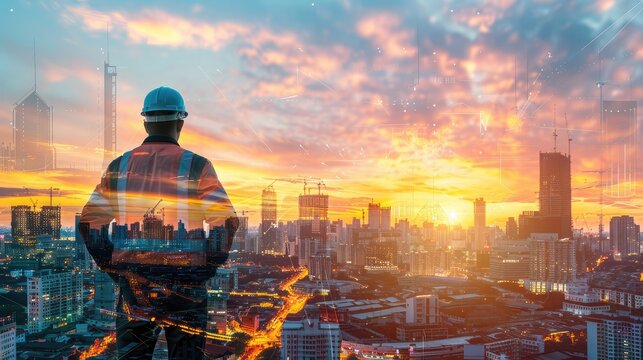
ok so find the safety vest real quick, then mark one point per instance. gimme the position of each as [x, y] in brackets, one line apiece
[161, 213]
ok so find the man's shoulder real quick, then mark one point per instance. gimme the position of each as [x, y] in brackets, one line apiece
[198, 164]
[197, 157]
[115, 164]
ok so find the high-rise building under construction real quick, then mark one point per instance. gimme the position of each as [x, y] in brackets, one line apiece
[313, 224]
[268, 233]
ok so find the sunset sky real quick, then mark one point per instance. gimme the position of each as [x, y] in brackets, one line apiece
[330, 89]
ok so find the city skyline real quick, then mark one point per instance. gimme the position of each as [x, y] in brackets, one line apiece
[357, 102]
[332, 179]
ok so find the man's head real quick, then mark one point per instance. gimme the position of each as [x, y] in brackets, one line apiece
[165, 128]
[164, 111]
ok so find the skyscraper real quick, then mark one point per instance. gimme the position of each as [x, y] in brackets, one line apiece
[374, 216]
[23, 225]
[240, 236]
[385, 217]
[555, 192]
[313, 225]
[109, 120]
[268, 234]
[480, 224]
[53, 299]
[624, 235]
[50, 221]
[32, 134]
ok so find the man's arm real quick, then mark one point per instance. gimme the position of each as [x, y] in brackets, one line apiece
[218, 211]
[96, 216]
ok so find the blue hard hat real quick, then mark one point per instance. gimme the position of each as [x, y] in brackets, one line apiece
[164, 99]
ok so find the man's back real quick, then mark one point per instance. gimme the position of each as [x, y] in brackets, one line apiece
[160, 223]
[170, 214]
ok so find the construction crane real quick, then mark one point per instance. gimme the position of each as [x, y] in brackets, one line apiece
[51, 194]
[302, 180]
[150, 211]
[600, 215]
[28, 193]
[33, 203]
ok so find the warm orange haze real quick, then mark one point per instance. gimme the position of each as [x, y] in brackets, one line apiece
[468, 124]
[321, 179]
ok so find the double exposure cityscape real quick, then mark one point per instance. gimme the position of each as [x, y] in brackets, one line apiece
[321, 180]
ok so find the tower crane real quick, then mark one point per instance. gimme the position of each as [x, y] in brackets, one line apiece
[51, 194]
[150, 211]
[600, 214]
[303, 180]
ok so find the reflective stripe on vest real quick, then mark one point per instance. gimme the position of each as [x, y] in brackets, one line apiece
[182, 182]
[121, 186]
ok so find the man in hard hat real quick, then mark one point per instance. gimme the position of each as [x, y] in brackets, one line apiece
[160, 223]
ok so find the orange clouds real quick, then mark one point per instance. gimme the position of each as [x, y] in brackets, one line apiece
[384, 32]
[159, 28]
[334, 97]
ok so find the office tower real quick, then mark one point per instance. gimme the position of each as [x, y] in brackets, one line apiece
[53, 299]
[481, 237]
[313, 221]
[104, 296]
[511, 229]
[422, 309]
[625, 235]
[310, 339]
[620, 147]
[480, 224]
[8, 338]
[553, 263]
[109, 114]
[268, 233]
[555, 192]
[32, 132]
[614, 337]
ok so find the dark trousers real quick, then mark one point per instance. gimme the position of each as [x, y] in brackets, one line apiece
[136, 339]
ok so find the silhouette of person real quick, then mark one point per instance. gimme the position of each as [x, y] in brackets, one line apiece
[160, 224]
